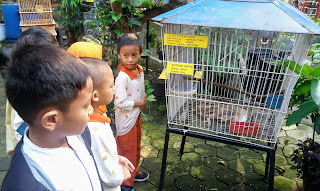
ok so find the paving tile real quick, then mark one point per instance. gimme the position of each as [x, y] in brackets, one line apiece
[241, 187]
[155, 178]
[228, 176]
[290, 172]
[214, 184]
[150, 126]
[284, 184]
[259, 167]
[188, 147]
[297, 135]
[145, 186]
[148, 151]
[288, 140]
[202, 172]
[226, 153]
[280, 160]
[195, 141]
[213, 163]
[188, 183]
[245, 154]
[178, 168]
[145, 140]
[256, 181]
[240, 166]
[155, 134]
[4, 163]
[2, 175]
[205, 150]
[159, 144]
[216, 144]
[192, 159]
[172, 155]
[152, 164]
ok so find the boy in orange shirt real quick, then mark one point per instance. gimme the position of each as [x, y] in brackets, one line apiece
[113, 168]
[130, 100]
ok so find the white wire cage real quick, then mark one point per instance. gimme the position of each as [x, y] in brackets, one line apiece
[240, 86]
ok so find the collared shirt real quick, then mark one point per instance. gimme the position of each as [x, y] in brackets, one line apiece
[129, 87]
[64, 168]
[104, 149]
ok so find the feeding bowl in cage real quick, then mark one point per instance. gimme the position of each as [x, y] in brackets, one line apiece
[244, 128]
[274, 101]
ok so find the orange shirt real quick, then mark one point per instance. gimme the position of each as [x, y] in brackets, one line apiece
[99, 117]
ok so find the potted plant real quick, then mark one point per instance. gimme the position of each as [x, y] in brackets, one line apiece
[306, 96]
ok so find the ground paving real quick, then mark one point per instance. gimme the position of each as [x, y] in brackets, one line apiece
[205, 165]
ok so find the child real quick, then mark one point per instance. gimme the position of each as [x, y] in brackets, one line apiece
[113, 169]
[90, 48]
[33, 35]
[130, 100]
[51, 90]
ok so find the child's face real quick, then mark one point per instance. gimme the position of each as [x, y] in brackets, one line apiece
[76, 119]
[129, 55]
[106, 89]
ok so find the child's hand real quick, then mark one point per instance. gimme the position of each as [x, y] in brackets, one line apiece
[124, 162]
[145, 101]
[126, 173]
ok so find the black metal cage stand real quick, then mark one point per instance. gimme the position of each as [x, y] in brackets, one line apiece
[270, 149]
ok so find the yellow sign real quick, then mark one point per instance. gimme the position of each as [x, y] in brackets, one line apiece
[164, 75]
[90, 1]
[198, 74]
[186, 40]
[180, 68]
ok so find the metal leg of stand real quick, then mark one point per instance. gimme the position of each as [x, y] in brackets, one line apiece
[271, 173]
[183, 141]
[164, 159]
[267, 166]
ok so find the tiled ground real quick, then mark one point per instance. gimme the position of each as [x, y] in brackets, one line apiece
[205, 165]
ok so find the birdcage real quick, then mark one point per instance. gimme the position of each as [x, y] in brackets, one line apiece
[231, 68]
[36, 13]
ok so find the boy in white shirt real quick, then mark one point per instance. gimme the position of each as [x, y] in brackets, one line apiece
[130, 100]
[113, 169]
[51, 90]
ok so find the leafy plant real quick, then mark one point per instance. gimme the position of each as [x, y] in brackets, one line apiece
[150, 96]
[306, 96]
[71, 16]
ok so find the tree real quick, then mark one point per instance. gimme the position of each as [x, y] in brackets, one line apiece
[131, 18]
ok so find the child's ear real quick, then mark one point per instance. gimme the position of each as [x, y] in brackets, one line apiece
[49, 119]
[95, 95]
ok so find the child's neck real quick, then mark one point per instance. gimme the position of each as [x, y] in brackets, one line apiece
[95, 106]
[136, 71]
[46, 139]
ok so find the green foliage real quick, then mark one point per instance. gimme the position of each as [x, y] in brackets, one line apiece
[149, 90]
[71, 16]
[110, 25]
[306, 94]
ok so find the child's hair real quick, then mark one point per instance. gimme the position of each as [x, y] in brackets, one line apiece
[43, 76]
[128, 39]
[96, 68]
[33, 35]
[36, 35]
[5, 56]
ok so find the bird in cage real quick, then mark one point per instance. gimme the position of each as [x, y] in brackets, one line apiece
[222, 112]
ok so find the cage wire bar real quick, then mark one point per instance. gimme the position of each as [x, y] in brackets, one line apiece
[240, 87]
